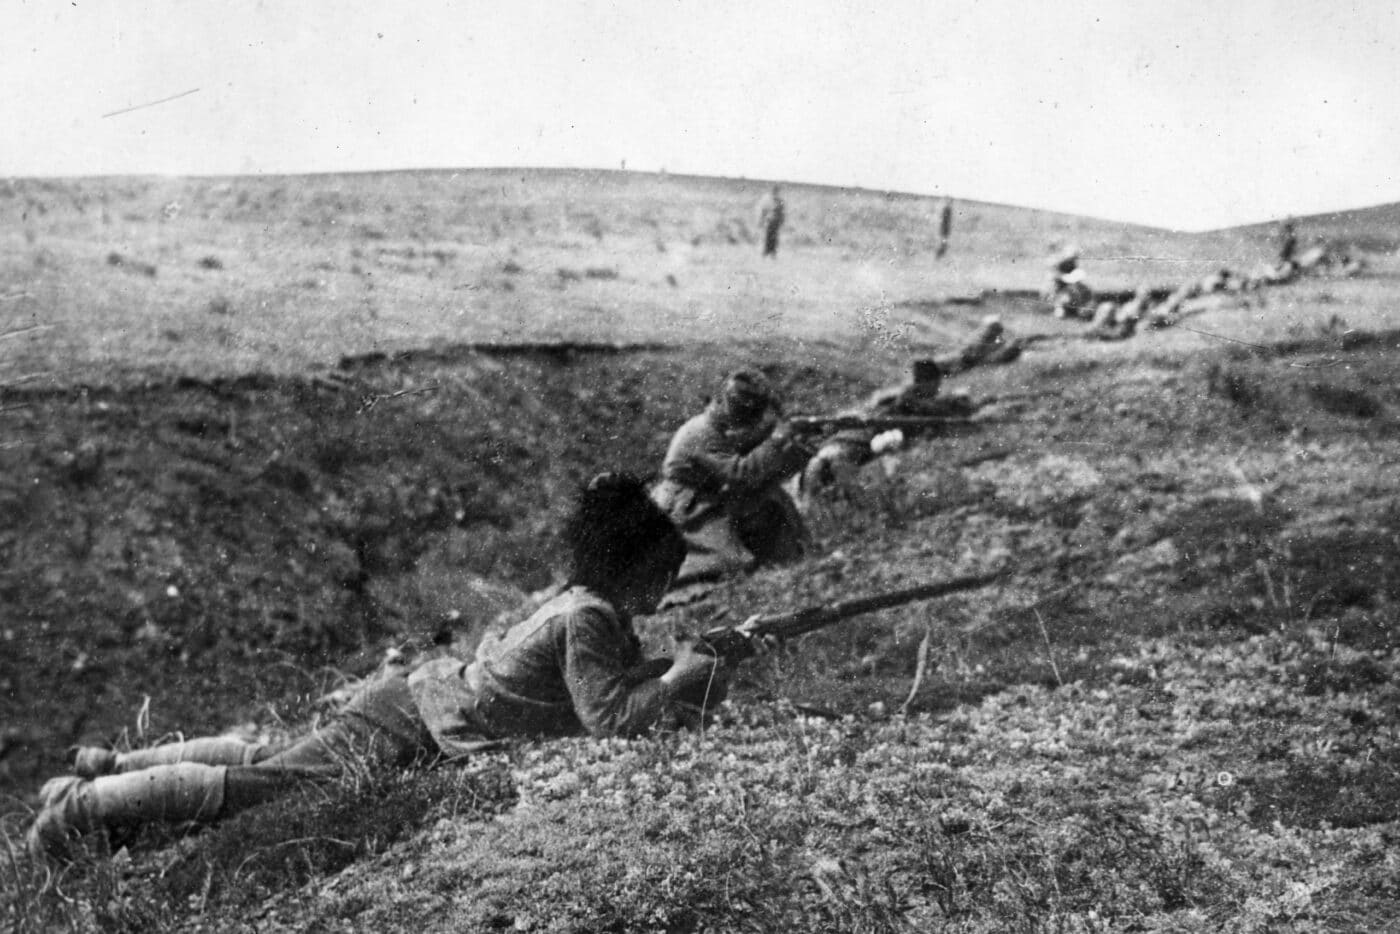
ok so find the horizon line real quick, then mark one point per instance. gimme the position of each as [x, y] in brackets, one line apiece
[664, 173]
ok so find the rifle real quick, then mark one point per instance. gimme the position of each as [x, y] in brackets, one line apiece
[735, 644]
[822, 423]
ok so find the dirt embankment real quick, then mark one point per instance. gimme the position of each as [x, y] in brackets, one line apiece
[232, 546]
[233, 549]
[1202, 555]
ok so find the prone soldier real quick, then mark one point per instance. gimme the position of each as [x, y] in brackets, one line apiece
[909, 403]
[574, 667]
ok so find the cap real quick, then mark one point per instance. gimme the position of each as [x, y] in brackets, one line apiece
[925, 371]
[745, 395]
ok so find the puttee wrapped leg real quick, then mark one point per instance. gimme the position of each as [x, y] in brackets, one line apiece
[73, 806]
[92, 761]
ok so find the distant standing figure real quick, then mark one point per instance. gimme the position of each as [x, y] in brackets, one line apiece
[1287, 240]
[945, 226]
[771, 214]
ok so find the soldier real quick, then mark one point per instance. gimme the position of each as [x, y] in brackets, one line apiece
[721, 483]
[1314, 257]
[1105, 315]
[1062, 262]
[574, 667]
[771, 215]
[1115, 322]
[988, 345]
[945, 226]
[1130, 314]
[1287, 240]
[1222, 280]
[844, 452]
[1271, 274]
[1068, 295]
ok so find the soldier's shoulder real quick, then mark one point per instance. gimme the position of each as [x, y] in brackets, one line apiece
[700, 425]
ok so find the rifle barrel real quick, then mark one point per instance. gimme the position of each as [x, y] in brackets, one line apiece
[878, 422]
[808, 619]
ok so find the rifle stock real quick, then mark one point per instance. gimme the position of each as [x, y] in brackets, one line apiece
[734, 644]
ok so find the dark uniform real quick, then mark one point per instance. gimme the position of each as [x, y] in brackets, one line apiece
[771, 215]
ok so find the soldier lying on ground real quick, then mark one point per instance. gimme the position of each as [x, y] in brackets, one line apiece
[989, 345]
[1272, 274]
[721, 483]
[574, 667]
[1222, 280]
[1314, 257]
[1114, 322]
[838, 458]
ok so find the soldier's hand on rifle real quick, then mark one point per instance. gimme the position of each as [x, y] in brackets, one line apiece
[691, 665]
[762, 643]
[800, 434]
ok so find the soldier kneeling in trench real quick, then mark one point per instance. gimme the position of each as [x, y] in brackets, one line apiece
[721, 483]
[574, 667]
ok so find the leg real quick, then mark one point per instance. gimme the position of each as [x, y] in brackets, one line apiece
[380, 726]
[187, 791]
[713, 549]
[774, 532]
[178, 793]
[92, 761]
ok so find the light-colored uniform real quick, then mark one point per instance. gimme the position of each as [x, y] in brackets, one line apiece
[721, 486]
[574, 667]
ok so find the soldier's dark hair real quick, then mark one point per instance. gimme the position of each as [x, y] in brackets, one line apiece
[615, 525]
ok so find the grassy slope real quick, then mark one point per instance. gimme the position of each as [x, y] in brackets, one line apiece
[313, 269]
[1200, 534]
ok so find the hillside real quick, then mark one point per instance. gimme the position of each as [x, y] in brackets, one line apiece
[1367, 230]
[269, 274]
[259, 431]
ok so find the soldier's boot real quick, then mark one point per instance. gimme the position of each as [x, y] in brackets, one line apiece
[73, 806]
[92, 761]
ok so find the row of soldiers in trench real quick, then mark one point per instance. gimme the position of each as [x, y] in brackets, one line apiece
[575, 666]
[1119, 316]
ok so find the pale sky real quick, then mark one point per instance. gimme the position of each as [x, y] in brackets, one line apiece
[1178, 113]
